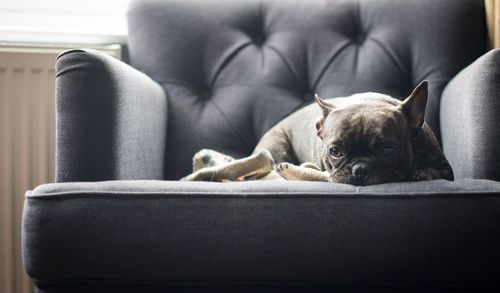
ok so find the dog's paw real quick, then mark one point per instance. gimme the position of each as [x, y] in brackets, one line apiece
[286, 170]
[424, 174]
[432, 174]
[282, 167]
[301, 173]
[209, 158]
[310, 166]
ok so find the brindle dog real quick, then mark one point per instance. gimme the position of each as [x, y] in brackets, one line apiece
[363, 139]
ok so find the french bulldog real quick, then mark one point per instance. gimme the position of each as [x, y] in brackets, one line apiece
[363, 139]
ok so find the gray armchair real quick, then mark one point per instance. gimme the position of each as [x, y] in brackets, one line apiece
[218, 74]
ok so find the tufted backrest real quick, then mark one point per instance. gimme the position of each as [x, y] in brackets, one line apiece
[232, 69]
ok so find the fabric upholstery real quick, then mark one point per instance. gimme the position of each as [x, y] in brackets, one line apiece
[470, 119]
[84, 287]
[166, 232]
[217, 74]
[111, 120]
[232, 69]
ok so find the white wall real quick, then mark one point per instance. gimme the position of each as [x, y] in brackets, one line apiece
[63, 21]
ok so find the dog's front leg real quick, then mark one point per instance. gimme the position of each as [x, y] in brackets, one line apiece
[304, 172]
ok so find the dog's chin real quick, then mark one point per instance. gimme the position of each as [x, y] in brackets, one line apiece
[371, 180]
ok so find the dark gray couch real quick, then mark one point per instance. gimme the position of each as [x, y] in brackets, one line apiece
[217, 74]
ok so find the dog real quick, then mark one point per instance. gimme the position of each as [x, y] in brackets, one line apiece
[364, 139]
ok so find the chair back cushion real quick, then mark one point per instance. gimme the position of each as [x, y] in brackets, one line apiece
[233, 69]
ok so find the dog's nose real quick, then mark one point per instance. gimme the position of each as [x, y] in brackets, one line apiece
[360, 171]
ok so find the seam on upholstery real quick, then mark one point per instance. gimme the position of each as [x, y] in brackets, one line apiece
[242, 139]
[69, 52]
[329, 61]
[229, 56]
[88, 62]
[391, 56]
[357, 53]
[358, 14]
[261, 16]
[257, 283]
[288, 66]
[307, 80]
[265, 194]
[436, 81]
[174, 82]
[262, 58]
[357, 21]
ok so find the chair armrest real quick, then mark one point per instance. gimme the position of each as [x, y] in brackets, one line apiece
[110, 120]
[470, 119]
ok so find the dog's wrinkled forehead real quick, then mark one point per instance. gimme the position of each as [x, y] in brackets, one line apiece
[360, 120]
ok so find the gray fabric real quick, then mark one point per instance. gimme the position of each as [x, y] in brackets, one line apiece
[85, 287]
[470, 119]
[111, 120]
[266, 188]
[434, 233]
[232, 69]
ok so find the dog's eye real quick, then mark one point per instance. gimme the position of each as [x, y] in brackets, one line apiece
[335, 151]
[389, 151]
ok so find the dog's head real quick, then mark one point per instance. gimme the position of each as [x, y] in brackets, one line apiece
[370, 142]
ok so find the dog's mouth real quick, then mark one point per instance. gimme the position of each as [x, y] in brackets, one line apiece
[369, 174]
[360, 182]
[368, 180]
[352, 181]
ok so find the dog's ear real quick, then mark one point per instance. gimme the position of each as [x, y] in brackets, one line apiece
[319, 127]
[326, 108]
[413, 107]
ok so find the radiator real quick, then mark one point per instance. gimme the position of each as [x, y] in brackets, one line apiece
[27, 144]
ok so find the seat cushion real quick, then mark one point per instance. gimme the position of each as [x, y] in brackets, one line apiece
[166, 232]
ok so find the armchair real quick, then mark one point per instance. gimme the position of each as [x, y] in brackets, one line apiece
[217, 74]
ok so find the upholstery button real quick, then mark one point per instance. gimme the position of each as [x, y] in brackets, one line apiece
[205, 94]
[259, 40]
[360, 38]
